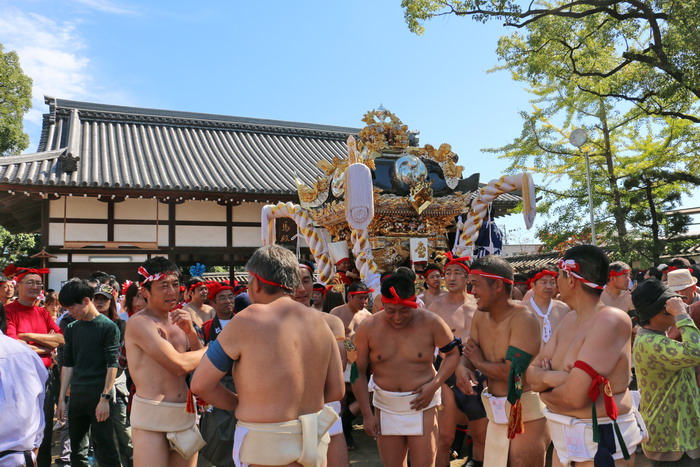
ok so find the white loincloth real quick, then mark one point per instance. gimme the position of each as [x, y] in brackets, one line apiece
[573, 437]
[170, 418]
[396, 417]
[337, 428]
[304, 440]
[497, 410]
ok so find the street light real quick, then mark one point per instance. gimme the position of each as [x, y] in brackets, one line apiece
[578, 138]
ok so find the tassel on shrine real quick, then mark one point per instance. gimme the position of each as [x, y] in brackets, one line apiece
[515, 420]
[190, 408]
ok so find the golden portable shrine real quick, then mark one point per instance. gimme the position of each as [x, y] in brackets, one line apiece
[390, 201]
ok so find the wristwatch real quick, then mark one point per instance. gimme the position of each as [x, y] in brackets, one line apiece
[105, 396]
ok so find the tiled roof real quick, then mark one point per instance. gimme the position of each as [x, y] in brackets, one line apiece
[125, 147]
[527, 262]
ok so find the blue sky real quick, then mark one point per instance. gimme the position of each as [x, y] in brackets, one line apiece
[312, 61]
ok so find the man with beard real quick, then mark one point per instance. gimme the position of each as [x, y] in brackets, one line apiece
[585, 368]
[433, 279]
[456, 308]
[502, 341]
[337, 449]
[399, 343]
[549, 311]
[163, 347]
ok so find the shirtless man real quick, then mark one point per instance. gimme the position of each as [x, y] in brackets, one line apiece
[616, 292]
[162, 347]
[337, 449]
[433, 279]
[590, 345]
[198, 310]
[399, 343]
[502, 341]
[281, 390]
[354, 311]
[457, 308]
[549, 311]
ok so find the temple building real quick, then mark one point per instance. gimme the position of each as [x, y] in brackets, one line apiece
[111, 186]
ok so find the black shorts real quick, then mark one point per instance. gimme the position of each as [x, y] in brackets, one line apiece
[472, 406]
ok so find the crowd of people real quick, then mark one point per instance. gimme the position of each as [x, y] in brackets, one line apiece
[590, 360]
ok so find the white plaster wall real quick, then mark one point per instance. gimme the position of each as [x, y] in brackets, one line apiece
[190, 235]
[247, 212]
[78, 206]
[134, 208]
[56, 277]
[135, 233]
[60, 258]
[200, 211]
[246, 236]
[77, 232]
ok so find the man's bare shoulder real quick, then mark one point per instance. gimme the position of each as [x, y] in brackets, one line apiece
[140, 324]
[561, 305]
[335, 323]
[612, 316]
[523, 314]
[337, 310]
[439, 302]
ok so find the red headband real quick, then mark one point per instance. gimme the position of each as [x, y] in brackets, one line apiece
[396, 300]
[265, 281]
[303, 265]
[148, 277]
[25, 271]
[215, 288]
[458, 261]
[571, 267]
[361, 292]
[489, 275]
[341, 260]
[540, 275]
[428, 270]
[618, 273]
[321, 288]
[198, 284]
[674, 268]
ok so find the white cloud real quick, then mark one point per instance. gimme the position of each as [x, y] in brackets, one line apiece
[106, 7]
[54, 55]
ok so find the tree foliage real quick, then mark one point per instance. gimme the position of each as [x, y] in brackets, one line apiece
[17, 248]
[655, 43]
[15, 100]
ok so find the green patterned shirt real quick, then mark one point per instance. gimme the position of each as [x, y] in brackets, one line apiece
[670, 403]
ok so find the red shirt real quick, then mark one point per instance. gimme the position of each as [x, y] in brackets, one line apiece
[33, 319]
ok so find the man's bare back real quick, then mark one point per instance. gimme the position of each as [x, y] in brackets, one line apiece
[569, 339]
[284, 354]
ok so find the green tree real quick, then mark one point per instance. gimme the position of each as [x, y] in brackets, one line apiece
[655, 43]
[15, 100]
[625, 143]
[17, 248]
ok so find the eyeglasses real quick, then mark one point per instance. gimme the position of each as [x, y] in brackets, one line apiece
[227, 298]
[33, 283]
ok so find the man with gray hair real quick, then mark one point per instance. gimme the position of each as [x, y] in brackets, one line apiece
[287, 366]
[616, 292]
